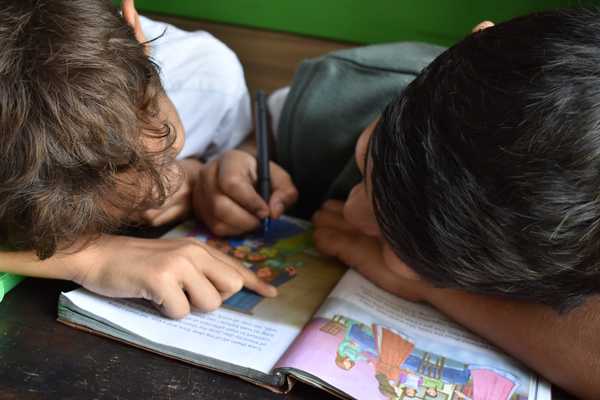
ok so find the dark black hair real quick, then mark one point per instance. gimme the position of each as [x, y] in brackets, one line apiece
[486, 169]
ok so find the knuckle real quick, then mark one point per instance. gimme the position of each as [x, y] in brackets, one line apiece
[163, 278]
[189, 250]
[231, 184]
[229, 154]
[154, 284]
[188, 246]
[175, 263]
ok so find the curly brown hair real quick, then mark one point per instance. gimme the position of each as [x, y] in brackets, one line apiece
[78, 103]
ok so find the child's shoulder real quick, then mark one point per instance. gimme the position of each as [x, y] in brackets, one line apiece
[193, 60]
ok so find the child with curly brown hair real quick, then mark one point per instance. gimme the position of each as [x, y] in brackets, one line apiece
[94, 137]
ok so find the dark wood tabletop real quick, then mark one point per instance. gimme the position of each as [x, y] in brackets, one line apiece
[44, 359]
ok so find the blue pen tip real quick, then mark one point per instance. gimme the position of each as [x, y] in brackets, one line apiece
[266, 225]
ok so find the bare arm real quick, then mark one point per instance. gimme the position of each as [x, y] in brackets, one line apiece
[175, 274]
[564, 348]
[26, 263]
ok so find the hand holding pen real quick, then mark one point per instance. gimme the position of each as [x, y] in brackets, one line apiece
[227, 196]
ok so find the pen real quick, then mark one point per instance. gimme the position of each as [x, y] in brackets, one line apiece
[263, 184]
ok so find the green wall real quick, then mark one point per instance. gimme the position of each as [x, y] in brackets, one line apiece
[363, 21]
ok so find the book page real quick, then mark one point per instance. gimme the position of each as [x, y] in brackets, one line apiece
[225, 335]
[249, 331]
[370, 344]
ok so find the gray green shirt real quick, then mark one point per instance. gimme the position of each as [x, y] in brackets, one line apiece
[331, 100]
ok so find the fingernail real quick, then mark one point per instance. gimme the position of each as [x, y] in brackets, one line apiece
[262, 213]
[273, 291]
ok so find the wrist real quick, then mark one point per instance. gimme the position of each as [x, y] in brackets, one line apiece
[82, 260]
[66, 264]
[192, 168]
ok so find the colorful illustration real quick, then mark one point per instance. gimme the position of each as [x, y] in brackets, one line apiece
[261, 254]
[378, 362]
[285, 257]
[358, 344]
[402, 371]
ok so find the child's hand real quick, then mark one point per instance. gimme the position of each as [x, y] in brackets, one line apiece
[225, 198]
[370, 256]
[175, 274]
[178, 205]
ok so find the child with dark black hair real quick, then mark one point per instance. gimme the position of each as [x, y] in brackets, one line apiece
[481, 180]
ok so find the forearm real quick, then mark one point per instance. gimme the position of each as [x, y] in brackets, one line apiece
[564, 348]
[28, 264]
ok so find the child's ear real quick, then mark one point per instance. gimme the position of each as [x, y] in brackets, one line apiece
[132, 18]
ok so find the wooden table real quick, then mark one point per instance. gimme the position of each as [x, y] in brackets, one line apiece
[43, 359]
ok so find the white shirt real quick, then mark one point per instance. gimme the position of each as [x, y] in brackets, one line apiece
[205, 81]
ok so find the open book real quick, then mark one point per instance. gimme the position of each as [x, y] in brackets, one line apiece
[328, 327]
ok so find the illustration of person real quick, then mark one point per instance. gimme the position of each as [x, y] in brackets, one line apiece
[358, 345]
[265, 273]
[276, 276]
[461, 395]
[432, 386]
[291, 270]
[431, 393]
[241, 252]
[409, 379]
[344, 362]
[408, 393]
[405, 392]
[393, 348]
[492, 384]
[392, 391]
[218, 244]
